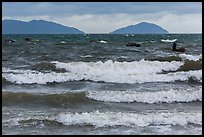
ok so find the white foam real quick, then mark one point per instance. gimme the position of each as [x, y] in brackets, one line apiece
[116, 72]
[43, 78]
[130, 72]
[17, 120]
[40, 78]
[168, 40]
[125, 57]
[190, 57]
[128, 68]
[102, 41]
[62, 42]
[86, 56]
[153, 41]
[8, 70]
[170, 96]
[109, 119]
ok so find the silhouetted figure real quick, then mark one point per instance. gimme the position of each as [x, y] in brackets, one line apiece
[174, 46]
[175, 49]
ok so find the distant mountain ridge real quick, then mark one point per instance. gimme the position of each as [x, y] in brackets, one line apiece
[141, 28]
[48, 27]
[36, 27]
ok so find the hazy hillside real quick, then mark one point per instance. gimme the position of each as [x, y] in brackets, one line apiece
[36, 27]
[141, 28]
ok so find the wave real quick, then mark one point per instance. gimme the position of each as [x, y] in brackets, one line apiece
[191, 65]
[83, 97]
[102, 41]
[191, 57]
[46, 67]
[141, 67]
[109, 119]
[116, 72]
[53, 77]
[153, 41]
[168, 58]
[180, 57]
[147, 97]
[63, 99]
[8, 70]
[191, 62]
[112, 119]
[86, 56]
[168, 40]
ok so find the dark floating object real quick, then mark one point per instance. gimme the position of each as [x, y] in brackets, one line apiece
[28, 39]
[133, 44]
[178, 50]
[8, 40]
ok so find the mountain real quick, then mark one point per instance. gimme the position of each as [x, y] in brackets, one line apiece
[141, 28]
[36, 27]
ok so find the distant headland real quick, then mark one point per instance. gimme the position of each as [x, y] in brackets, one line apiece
[141, 28]
[36, 27]
[48, 27]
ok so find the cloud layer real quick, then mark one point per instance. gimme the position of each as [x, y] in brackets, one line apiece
[104, 17]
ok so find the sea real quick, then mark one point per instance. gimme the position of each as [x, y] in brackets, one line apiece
[93, 84]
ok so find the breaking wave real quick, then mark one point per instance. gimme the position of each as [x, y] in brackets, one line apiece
[74, 98]
[111, 119]
[116, 72]
[191, 57]
[27, 98]
[148, 97]
[168, 40]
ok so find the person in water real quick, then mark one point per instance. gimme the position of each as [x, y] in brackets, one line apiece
[174, 46]
[175, 49]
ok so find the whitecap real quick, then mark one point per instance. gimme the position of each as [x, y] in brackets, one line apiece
[168, 40]
[62, 42]
[170, 96]
[110, 119]
[109, 71]
[190, 57]
[86, 56]
[102, 41]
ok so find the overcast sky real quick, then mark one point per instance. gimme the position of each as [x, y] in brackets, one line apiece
[105, 17]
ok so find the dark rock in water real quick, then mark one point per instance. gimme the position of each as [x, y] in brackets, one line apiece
[133, 44]
[180, 50]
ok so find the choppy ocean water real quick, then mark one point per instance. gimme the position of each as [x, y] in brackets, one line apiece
[63, 84]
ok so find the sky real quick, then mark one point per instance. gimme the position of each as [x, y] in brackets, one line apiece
[105, 17]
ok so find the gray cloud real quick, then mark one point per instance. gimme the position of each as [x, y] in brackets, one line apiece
[104, 17]
[70, 8]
